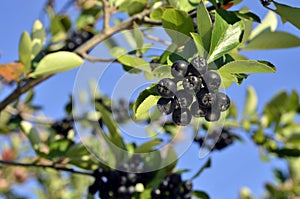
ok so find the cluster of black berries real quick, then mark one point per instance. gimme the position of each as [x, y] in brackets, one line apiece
[197, 81]
[77, 38]
[62, 127]
[121, 183]
[173, 187]
[225, 139]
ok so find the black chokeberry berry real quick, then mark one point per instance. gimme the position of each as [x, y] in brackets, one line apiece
[187, 186]
[206, 98]
[223, 101]
[212, 115]
[165, 105]
[183, 99]
[198, 111]
[166, 88]
[179, 69]
[182, 116]
[212, 80]
[192, 83]
[198, 66]
[226, 138]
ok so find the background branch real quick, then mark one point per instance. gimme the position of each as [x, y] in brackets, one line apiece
[82, 50]
[3, 162]
[106, 16]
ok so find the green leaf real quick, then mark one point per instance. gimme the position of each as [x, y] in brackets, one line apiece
[128, 60]
[268, 24]
[135, 7]
[249, 16]
[38, 38]
[25, 50]
[117, 51]
[229, 72]
[146, 99]
[114, 132]
[178, 25]
[58, 148]
[57, 62]
[225, 37]
[76, 150]
[162, 71]
[200, 195]
[138, 36]
[250, 103]
[184, 4]
[32, 135]
[288, 13]
[273, 40]
[204, 24]
[287, 152]
[148, 146]
[157, 13]
[88, 17]
[199, 44]
[205, 166]
[248, 67]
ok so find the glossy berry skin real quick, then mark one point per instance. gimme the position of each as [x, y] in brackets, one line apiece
[212, 80]
[165, 105]
[182, 116]
[166, 88]
[179, 69]
[192, 83]
[198, 66]
[198, 111]
[223, 101]
[183, 99]
[212, 115]
[206, 99]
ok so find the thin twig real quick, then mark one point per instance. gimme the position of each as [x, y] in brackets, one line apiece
[113, 30]
[45, 166]
[106, 16]
[29, 117]
[20, 90]
[82, 50]
[97, 59]
[157, 39]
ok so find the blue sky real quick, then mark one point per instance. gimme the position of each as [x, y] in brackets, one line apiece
[232, 168]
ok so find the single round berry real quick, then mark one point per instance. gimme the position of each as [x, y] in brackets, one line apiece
[156, 193]
[212, 80]
[182, 116]
[166, 88]
[198, 66]
[179, 69]
[165, 105]
[223, 101]
[192, 83]
[212, 115]
[206, 98]
[175, 179]
[183, 98]
[198, 111]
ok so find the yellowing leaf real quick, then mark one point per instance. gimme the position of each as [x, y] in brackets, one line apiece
[11, 71]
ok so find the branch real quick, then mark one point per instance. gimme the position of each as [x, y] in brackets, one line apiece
[113, 30]
[82, 50]
[20, 90]
[157, 39]
[44, 166]
[106, 16]
[97, 59]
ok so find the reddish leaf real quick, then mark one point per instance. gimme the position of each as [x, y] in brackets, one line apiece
[11, 71]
